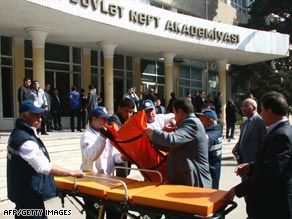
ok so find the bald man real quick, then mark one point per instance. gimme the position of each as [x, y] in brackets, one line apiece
[252, 132]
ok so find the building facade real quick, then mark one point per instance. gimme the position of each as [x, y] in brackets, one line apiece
[168, 45]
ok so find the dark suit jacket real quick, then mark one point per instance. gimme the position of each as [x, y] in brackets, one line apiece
[247, 145]
[187, 161]
[269, 187]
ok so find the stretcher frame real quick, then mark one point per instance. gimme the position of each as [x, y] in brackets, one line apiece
[125, 206]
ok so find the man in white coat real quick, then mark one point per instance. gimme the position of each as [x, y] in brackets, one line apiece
[98, 155]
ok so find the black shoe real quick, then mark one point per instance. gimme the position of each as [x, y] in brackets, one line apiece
[44, 133]
[49, 130]
[79, 130]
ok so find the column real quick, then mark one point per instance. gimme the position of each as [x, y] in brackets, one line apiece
[38, 36]
[108, 53]
[222, 87]
[137, 76]
[168, 73]
[175, 78]
[86, 67]
[19, 64]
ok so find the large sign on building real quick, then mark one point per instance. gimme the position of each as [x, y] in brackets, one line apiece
[145, 19]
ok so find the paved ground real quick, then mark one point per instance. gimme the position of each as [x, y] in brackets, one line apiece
[64, 150]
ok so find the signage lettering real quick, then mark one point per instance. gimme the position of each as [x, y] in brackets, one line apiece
[148, 19]
[201, 32]
[143, 19]
[112, 9]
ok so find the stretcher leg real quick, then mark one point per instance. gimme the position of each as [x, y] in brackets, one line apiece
[101, 212]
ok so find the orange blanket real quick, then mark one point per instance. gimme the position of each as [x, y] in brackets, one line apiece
[131, 142]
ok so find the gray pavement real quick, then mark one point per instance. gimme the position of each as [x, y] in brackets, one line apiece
[63, 147]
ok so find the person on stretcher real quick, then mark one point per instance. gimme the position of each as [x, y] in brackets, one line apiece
[98, 155]
[158, 121]
[187, 161]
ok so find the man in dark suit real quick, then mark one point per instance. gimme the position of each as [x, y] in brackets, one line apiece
[187, 161]
[269, 187]
[252, 132]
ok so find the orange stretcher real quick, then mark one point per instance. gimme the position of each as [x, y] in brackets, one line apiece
[146, 198]
[130, 141]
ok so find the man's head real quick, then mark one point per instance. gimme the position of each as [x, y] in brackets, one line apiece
[172, 94]
[31, 113]
[249, 107]
[131, 89]
[98, 117]
[149, 108]
[36, 85]
[26, 82]
[48, 87]
[73, 88]
[157, 102]
[151, 91]
[208, 117]
[181, 109]
[274, 107]
[126, 108]
[90, 87]
[55, 90]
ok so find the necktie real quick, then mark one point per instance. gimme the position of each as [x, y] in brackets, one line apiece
[245, 130]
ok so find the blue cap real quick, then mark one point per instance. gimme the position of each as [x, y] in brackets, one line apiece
[30, 106]
[100, 111]
[210, 113]
[147, 104]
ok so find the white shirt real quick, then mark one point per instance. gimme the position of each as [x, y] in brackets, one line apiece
[39, 97]
[31, 153]
[160, 121]
[98, 155]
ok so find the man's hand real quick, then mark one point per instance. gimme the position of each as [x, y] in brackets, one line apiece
[242, 169]
[229, 196]
[234, 150]
[149, 133]
[77, 173]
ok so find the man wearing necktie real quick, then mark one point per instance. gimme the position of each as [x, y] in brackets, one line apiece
[268, 187]
[252, 132]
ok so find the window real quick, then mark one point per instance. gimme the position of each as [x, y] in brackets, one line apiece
[190, 79]
[6, 76]
[28, 59]
[240, 5]
[152, 76]
[159, 5]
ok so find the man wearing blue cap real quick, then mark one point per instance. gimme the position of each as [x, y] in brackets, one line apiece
[214, 132]
[98, 155]
[157, 121]
[29, 169]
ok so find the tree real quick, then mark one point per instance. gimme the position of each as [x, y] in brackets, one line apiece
[272, 75]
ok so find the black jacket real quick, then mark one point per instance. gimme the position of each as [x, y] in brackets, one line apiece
[269, 187]
[24, 184]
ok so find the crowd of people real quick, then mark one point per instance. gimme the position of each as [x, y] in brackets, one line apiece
[189, 131]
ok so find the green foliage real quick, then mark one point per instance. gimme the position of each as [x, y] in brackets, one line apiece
[273, 75]
[239, 121]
